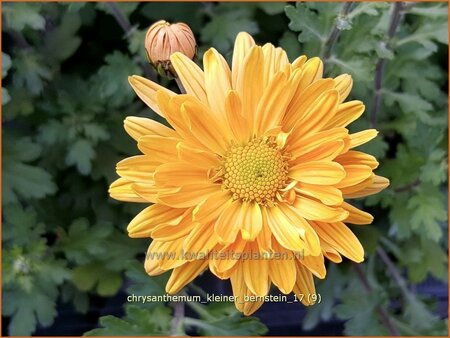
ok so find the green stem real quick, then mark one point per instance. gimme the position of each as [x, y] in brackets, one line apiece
[381, 64]
[384, 315]
[335, 32]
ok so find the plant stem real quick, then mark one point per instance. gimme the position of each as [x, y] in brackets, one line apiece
[394, 272]
[381, 64]
[121, 19]
[385, 317]
[335, 32]
[177, 320]
[126, 26]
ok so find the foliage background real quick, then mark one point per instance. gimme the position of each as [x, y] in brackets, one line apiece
[65, 94]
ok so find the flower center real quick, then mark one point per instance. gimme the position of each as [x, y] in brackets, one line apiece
[255, 171]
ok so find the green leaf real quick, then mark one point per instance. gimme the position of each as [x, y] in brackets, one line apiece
[20, 15]
[61, 42]
[106, 282]
[83, 242]
[290, 44]
[272, 8]
[6, 64]
[21, 179]
[111, 79]
[359, 311]
[81, 154]
[5, 96]
[21, 225]
[30, 71]
[428, 211]
[137, 322]
[223, 28]
[95, 132]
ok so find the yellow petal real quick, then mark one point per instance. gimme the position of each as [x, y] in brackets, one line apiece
[315, 264]
[238, 123]
[298, 145]
[140, 126]
[307, 232]
[227, 257]
[242, 45]
[179, 174]
[264, 238]
[346, 191]
[242, 293]
[282, 271]
[229, 223]
[256, 273]
[167, 232]
[355, 173]
[344, 84]
[299, 62]
[303, 99]
[304, 285]
[151, 265]
[184, 274]
[357, 157]
[318, 114]
[340, 237]
[313, 210]
[356, 216]
[312, 71]
[121, 190]
[284, 230]
[200, 241]
[170, 253]
[137, 168]
[330, 253]
[379, 183]
[188, 195]
[204, 127]
[163, 256]
[217, 81]
[346, 113]
[249, 83]
[150, 191]
[325, 152]
[252, 221]
[318, 172]
[212, 207]
[327, 194]
[146, 90]
[148, 219]
[273, 103]
[362, 137]
[171, 107]
[158, 148]
[190, 75]
[275, 60]
[199, 157]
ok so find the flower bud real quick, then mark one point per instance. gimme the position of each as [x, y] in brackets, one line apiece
[163, 39]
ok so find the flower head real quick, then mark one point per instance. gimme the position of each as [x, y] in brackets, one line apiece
[163, 39]
[255, 172]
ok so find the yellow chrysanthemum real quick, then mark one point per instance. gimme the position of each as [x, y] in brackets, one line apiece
[259, 161]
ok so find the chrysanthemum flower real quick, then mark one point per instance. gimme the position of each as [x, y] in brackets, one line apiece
[258, 160]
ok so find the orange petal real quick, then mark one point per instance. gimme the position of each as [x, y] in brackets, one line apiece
[146, 90]
[121, 190]
[318, 172]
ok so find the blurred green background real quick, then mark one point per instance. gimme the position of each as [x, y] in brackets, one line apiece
[66, 257]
